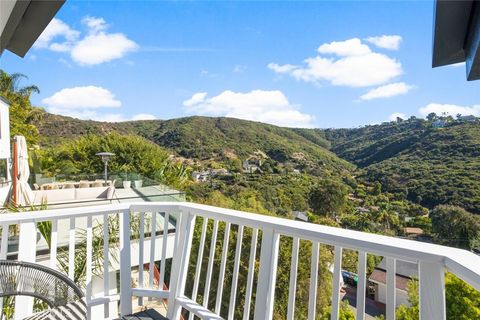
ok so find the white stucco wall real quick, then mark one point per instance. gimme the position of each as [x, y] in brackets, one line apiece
[4, 131]
[381, 295]
[4, 190]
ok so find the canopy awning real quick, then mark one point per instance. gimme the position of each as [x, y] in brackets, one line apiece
[456, 36]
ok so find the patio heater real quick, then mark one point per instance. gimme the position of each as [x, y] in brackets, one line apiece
[105, 157]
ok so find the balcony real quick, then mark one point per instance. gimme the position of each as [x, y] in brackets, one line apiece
[211, 249]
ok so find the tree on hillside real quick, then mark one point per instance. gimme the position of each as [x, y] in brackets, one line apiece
[133, 154]
[328, 197]
[10, 83]
[462, 300]
[21, 110]
[454, 226]
[432, 116]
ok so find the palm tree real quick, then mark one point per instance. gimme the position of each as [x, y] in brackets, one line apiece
[387, 219]
[9, 83]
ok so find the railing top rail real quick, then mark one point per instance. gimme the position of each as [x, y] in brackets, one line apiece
[463, 263]
[64, 213]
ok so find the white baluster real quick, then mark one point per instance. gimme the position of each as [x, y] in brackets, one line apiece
[141, 248]
[223, 263]
[125, 262]
[362, 284]
[267, 275]
[71, 249]
[211, 259]
[391, 288]
[164, 250]
[312, 297]
[236, 266]
[180, 266]
[199, 262]
[106, 284]
[293, 279]
[53, 245]
[432, 291]
[337, 276]
[251, 273]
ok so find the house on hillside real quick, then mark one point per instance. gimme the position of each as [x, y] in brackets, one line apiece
[413, 232]
[439, 123]
[300, 215]
[405, 271]
[469, 118]
[206, 175]
[252, 165]
[5, 155]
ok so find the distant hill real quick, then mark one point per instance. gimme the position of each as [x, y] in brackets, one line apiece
[426, 165]
[410, 158]
[205, 138]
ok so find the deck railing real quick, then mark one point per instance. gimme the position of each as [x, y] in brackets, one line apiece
[197, 278]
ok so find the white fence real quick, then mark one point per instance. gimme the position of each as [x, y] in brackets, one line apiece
[226, 243]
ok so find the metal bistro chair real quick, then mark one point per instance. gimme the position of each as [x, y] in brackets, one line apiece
[60, 293]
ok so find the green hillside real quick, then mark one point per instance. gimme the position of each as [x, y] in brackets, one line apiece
[426, 165]
[409, 158]
[204, 138]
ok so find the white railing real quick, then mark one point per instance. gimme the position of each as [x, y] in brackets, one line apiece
[203, 277]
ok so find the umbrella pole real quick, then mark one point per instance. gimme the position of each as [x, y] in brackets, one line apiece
[15, 172]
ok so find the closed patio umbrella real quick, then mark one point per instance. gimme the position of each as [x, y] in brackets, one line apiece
[24, 194]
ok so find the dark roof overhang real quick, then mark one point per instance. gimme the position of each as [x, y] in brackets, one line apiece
[457, 35]
[22, 22]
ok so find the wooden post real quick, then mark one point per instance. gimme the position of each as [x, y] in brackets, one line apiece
[15, 173]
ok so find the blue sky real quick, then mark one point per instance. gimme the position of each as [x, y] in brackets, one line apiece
[308, 64]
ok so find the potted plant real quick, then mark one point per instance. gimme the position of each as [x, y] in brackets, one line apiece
[137, 182]
[127, 184]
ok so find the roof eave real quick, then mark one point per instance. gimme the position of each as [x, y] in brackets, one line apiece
[26, 20]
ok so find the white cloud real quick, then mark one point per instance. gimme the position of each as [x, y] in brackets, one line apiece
[386, 42]
[144, 116]
[95, 24]
[57, 29]
[257, 105]
[96, 47]
[450, 110]
[197, 98]
[354, 65]
[387, 91]
[347, 48]
[88, 102]
[286, 68]
[394, 116]
[88, 97]
[102, 47]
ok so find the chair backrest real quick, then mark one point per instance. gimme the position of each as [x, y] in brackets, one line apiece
[84, 185]
[97, 184]
[69, 186]
[19, 278]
